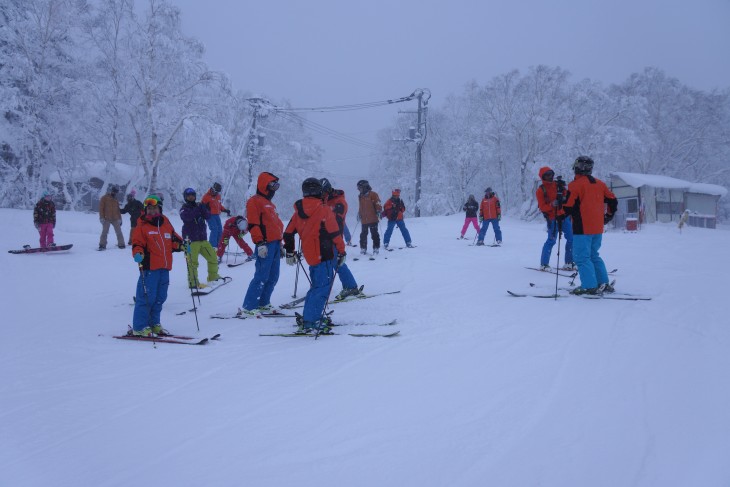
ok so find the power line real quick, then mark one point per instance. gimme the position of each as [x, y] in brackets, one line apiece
[355, 106]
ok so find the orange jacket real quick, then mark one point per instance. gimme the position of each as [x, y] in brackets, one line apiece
[263, 221]
[318, 230]
[370, 208]
[490, 208]
[338, 203]
[546, 193]
[394, 209]
[586, 205]
[155, 239]
[213, 202]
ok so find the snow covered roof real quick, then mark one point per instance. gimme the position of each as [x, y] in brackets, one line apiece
[637, 180]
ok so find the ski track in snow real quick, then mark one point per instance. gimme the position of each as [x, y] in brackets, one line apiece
[479, 388]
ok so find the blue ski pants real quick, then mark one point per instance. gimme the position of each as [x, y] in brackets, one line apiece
[552, 230]
[485, 227]
[403, 230]
[264, 279]
[591, 269]
[321, 275]
[216, 230]
[346, 278]
[151, 294]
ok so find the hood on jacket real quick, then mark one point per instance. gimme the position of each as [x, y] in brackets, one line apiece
[263, 182]
[543, 170]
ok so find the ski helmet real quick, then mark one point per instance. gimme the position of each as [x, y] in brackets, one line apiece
[583, 165]
[217, 187]
[312, 187]
[241, 223]
[152, 200]
[326, 185]
[112, 189]
[363, 185]
[188, 192]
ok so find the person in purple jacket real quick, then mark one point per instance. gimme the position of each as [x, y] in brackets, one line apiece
[195, 237]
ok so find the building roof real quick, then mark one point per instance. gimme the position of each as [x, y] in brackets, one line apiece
[637, 180]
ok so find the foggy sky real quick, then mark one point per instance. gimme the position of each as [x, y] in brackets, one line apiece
[336, 52]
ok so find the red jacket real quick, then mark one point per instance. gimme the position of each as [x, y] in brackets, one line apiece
[394, 209]
[230, 229]
[586, 205]
[155, 239]
[338, 203]
[318, 230]
[546, 193]
[263, 221]
[213, 202]
[490, 208]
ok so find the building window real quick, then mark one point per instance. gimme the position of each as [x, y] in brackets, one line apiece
[668, 208]
[632, 205]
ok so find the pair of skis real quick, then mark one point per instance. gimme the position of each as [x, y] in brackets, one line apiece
[169, 338]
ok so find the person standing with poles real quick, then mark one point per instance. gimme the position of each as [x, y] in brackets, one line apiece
[194, 216]
[212, 198]
[490, 211]
[323, 249]
[266, 230]
[470, 207]
[393, 210]
[369, 214]
[586, 205]
[550, 198]
[335, 199]
[110, 214]
[153, 242]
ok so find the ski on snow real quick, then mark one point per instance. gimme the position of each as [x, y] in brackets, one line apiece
[317, 335]
[210, 288]
[178, 339]
[351, 298]
[586, 296]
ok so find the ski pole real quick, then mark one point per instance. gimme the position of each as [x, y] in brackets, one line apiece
[559, 225]
[144, 288]
[296, 279]
[188, 261]
[299, 261]
[192, 296]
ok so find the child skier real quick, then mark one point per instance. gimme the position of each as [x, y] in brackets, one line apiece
[44, 219]
[470, 207]
[212, 198]
[550, 196]
[236, 227]
[393, 210]
[369, 216]
[323, 249]
[153, 242]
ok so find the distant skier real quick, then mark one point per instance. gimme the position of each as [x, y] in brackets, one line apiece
[586, 205]
[212, 198]
[153, 242]
[134, 207]
[236, 227]
[393, 210]
[323, 249]
[335, 199]
[266, 233]
[550, 197]
[369, 214]
[471, 207]
[194, 216]
[110, 214]
[44, 219]
[490, 211]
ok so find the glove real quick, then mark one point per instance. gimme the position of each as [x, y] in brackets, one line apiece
[607, 218]
[341, 259]
[262, 250]
[291, 258]
[499, 217]
[138, 257]
[481, 218]
[227, 212]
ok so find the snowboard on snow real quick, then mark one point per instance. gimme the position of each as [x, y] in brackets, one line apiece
[28, 250]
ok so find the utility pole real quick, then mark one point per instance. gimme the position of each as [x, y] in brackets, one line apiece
[419, 138]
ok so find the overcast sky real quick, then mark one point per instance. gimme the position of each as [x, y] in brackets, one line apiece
[337, 52]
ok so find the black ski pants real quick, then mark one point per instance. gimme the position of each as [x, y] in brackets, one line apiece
[373, 227]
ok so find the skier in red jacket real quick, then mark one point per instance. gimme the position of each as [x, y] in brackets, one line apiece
[236, 227]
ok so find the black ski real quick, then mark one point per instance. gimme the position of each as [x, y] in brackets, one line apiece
[352, 298]
[28, 250]
[210, 289]
[162, 340]
[292, 304]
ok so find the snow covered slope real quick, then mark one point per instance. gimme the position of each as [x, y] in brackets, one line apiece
[479, 389]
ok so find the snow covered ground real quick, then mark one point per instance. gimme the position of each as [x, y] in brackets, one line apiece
[479, 389]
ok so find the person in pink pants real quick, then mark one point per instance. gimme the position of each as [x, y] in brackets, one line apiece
[470, 207]
[44, 219]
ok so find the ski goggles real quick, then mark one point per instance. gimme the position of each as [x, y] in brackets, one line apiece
[151, 201]
[273, 186]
